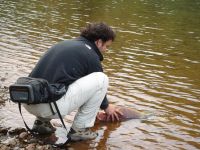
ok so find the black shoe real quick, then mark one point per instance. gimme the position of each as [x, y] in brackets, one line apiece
[43, 126]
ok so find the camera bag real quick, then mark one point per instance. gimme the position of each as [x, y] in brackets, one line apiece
[35, 91]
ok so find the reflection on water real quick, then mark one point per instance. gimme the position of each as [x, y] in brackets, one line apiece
[153, 65]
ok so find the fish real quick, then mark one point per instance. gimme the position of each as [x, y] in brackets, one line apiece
[127, 113]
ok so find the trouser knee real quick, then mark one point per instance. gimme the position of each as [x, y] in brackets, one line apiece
[102, 79]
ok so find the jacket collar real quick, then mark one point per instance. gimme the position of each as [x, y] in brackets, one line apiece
[93, 45]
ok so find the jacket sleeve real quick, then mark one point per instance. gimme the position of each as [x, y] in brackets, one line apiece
[104, 103]
[95, 66]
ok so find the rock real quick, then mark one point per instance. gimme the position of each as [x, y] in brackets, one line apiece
[41, 142]
[48, 147]
[16, 131]
[33, 140]
[23, 135]
[31, 146]
[2, 101]
[10, 142]
[16, 148]
[44, 147]
[4, 147]
[3, 79]
[21, 146]
[40, 147]
[3, 131]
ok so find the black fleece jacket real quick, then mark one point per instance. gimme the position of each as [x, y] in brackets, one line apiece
[68, 61]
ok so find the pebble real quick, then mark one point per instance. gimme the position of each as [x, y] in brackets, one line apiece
[22, 140]
[3, 79]
[31, 146]
[16, 130]
[3, 131]
[41, 147]
[10, 142]
[48, 147]
[33, 140]
[2, 101]
[23, 135]
[16, 148]
[4, 147]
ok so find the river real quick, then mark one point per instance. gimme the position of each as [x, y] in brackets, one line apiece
[153, 66]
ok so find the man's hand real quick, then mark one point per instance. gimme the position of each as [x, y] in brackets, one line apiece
[113, 112]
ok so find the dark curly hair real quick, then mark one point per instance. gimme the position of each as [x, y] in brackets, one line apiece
[95, 31]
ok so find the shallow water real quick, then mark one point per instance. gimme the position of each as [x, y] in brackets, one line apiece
[153, 66]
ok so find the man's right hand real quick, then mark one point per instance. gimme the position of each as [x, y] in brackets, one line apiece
[113, 113]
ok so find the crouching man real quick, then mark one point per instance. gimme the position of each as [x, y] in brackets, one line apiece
[77, 64]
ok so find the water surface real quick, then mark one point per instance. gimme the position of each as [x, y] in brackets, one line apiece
[153, 66]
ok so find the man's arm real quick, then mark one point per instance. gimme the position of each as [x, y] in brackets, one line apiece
[111, 111]
[104, 103]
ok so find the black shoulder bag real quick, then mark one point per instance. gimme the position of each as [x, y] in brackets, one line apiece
[35, 91]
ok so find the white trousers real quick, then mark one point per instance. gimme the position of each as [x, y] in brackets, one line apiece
[85, 94]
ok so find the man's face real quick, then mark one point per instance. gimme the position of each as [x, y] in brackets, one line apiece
[102, 46]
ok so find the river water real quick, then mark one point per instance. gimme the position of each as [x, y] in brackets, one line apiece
[153, 66]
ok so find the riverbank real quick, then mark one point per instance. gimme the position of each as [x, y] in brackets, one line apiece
[20, 139]
[14, 136]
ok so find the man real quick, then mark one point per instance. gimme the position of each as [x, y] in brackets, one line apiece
[77, 64]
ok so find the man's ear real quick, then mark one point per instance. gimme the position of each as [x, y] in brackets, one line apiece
[99, 42]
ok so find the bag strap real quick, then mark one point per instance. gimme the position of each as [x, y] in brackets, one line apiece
[51, 109]
[58, 111]
[31, 131]
[34, 133]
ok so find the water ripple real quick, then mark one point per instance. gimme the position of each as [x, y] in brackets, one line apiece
[153, 64]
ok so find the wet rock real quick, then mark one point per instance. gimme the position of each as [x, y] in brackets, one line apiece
[33, 140]
[4, 147]
[3, 79]
[23, 135]
[29, 137]
[16, 148]
[41, 142]
[31, 146]
[25, 141]
[16, 131]
[5, 87]
[10, 142]
[48, 147]
[44, 147]
[2, 101]
[3, 131]
[40, 147]
[21, 146]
